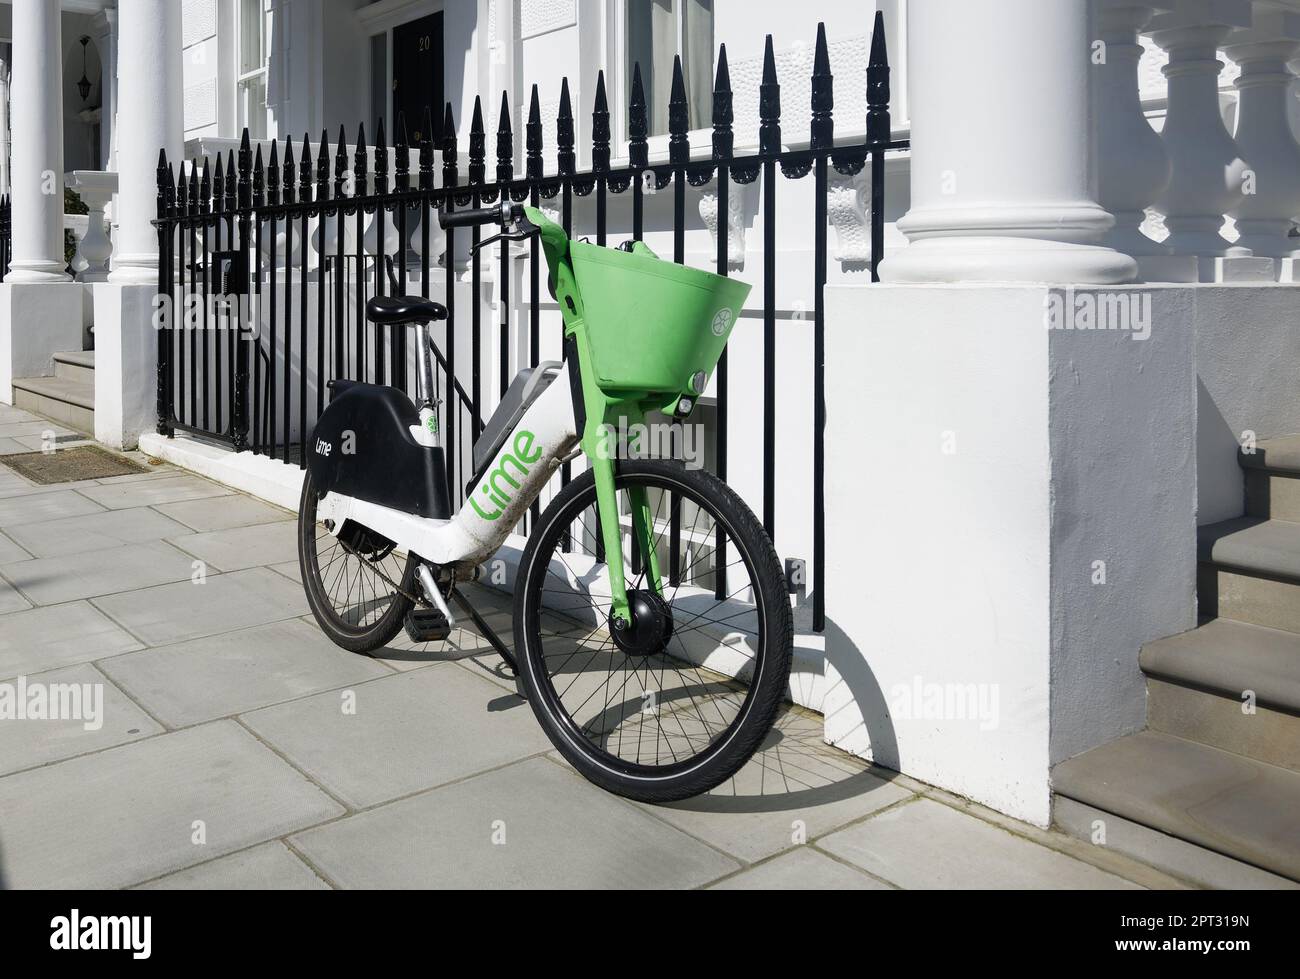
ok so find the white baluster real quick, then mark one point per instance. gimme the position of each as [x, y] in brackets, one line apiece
[94, 250]
[1265, 215]
[1207, 167]
[1132, 164]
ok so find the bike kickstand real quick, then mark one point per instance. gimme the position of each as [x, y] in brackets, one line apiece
[488, 632]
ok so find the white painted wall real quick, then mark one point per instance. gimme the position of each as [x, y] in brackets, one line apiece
[969, 568]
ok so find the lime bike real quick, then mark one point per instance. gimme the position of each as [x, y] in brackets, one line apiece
[652, 625]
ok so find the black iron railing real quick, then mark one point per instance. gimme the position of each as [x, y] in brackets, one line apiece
[221, 229]
[6, 236]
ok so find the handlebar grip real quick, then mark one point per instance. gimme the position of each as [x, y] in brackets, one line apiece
[470, 217]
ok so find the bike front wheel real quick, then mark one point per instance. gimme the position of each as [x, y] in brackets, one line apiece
[677, 703]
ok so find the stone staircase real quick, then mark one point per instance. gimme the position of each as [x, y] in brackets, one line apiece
[68, 397]
[1211, 789]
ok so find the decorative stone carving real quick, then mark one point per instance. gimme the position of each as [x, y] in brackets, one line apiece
[850, 216]
[737, 220]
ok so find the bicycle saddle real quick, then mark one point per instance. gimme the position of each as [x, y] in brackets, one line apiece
[392, 310]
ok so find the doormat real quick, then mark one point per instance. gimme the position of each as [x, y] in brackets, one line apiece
[71, 465]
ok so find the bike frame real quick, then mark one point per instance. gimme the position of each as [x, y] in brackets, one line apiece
[573, 414]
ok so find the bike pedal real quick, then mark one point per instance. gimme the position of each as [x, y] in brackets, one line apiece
[427, 625]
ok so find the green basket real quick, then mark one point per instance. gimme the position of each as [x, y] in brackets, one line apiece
[652, 324]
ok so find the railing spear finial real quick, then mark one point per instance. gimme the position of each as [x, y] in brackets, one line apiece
[477, 145]
[600, 134]
[360, 164]
[565, 159]
[505, 144]
[218, 185]
[638, 126]
[878, 122]
[341, 164]
[402, 155]
[822, 125]
[259, 179]
[533, 138]
[323, 168]
[305, 170]
[723, 116]
[381, 158]
[289, 183]
[450, 176]
[769, 104]
[679, 117]
[426, 150]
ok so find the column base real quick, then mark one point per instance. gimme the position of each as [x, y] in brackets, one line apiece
[997, 259]
[35, 273]
[126, 363]
[36, 322]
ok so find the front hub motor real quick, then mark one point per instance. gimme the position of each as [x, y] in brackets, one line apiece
[651, 626]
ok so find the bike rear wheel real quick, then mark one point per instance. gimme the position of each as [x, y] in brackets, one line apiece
[358, 587]
[676, 704]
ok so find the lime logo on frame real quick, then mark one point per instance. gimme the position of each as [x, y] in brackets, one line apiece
[499, 484]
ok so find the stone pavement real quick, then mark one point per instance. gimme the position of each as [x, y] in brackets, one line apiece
[240, 749]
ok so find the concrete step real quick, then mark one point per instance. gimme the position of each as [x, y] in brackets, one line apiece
[1280, 455]
[1231, 685]
[1271, 495]
[76, 366]
[1231, 805]
[68, 402]
[1250, 571]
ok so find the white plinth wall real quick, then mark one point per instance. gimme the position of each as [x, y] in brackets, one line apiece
[1023, 513]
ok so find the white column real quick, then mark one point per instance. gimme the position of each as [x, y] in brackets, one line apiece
[1132, 165]
[37, 106]
[1265, 215]
[1000, 158]
[1207, 166]
[149, 84]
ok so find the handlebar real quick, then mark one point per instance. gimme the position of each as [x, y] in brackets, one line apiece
[475, 216]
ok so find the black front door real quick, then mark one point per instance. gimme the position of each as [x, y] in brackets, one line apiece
[417, 77]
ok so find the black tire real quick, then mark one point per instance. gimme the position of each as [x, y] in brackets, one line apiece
[723, 747]
[369, 612]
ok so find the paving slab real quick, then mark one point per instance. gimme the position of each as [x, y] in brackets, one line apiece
[29, 742]
[12, 447]
[10, 415]
[203, 679]
[150, 492]
[244, 547]
[793, 789]
[51, 581]
[559, 832]
[128, 814]
[803, 869]
[223, 513]
[222, 603]
[44, 504]
[409, 732]
[95, 532]
[926, 845]
[10, 552]
[10, 599]
[37, 427]
[55, 636]
[266, 867]
[62, 438]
